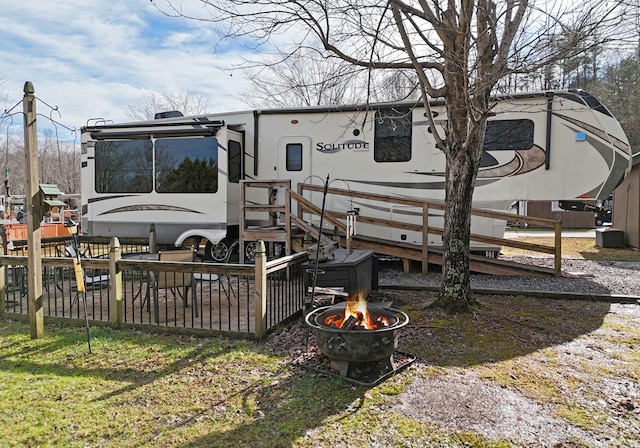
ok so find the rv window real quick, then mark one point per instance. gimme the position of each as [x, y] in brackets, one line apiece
[186, 165]
[508, 135]
[294, 157]
[393, 136]
[123, 166]
[235, 159]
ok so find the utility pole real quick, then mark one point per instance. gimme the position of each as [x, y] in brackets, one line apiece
[33, 214]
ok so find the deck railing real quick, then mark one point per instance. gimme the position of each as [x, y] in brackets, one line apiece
[125, 290]
[423, 209]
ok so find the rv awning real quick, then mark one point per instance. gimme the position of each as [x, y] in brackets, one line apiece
[200, 128]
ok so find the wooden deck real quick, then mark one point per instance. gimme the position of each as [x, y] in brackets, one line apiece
[225, 305]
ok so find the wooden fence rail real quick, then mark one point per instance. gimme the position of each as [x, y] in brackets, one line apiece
[426, 228]
[248, 299]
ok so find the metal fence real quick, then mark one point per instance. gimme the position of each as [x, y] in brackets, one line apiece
[134, 288]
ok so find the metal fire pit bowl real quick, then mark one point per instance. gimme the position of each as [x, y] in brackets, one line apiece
[345, 346]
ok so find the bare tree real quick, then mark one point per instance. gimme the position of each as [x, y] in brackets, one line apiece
[303, 78]
[59, 162]
[311, 77]
[459, 50]
[189, 103]
[621, 84]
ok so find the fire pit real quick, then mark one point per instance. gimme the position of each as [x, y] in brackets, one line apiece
[354, 332]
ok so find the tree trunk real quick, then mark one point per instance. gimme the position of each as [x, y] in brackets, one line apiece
[455, 292]
[464, 144]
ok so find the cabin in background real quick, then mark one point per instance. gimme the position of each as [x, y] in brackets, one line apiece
[626, 209]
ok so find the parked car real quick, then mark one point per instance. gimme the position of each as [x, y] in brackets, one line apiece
[20, 216]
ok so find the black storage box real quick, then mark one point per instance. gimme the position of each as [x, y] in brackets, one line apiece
[611, 238]
[352, 271]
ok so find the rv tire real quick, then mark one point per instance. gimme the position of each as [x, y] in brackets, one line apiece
[250, 250]
[216, 252]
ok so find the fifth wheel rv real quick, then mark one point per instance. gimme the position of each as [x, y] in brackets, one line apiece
[182, 173]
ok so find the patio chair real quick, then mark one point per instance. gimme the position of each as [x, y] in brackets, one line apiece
[93, 278]
[200, 277]
[178, 283]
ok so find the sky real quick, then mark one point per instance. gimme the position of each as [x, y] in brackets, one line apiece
[92, 59]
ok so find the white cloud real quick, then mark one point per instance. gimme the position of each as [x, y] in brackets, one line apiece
[93, 59]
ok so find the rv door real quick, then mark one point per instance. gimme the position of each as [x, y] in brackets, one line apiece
[235, 172]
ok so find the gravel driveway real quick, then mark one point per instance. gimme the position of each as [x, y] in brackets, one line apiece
[618, 278]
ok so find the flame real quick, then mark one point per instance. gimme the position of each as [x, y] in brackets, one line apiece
[359, 310]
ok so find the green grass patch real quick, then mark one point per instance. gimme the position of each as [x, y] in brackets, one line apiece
[580, 248]
[140, 389]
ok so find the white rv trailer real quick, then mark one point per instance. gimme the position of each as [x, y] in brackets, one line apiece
[182, 173]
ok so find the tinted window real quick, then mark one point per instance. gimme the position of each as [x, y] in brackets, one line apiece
[393, 136]
[508, 135]
[186, 165]
[294, 157]
[124, 166]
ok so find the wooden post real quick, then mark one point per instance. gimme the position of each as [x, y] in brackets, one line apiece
[261, 290]
[241, 221]
[33, 212]
[152, 239]
[287, 218]
[3, 270]
[3, 236]
[425, 237]
[115, 284]
[3, 290]
[558, 254]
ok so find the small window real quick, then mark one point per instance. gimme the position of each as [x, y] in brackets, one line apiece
[294, 157]
[508, 135]
[393, 135]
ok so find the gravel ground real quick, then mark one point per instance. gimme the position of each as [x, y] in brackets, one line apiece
[510, 373]
[580, 276]
[538, 385]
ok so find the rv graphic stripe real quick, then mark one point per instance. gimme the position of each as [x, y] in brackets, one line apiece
[150, 207]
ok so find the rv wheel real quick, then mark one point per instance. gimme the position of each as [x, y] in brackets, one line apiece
[250, 250]
[216, 252]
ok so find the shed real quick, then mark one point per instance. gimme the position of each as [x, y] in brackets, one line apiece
[626, 205]
[569, 219]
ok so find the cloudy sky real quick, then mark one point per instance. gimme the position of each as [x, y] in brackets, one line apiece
[94, 58]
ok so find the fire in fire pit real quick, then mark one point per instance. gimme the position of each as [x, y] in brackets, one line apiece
[356, 332]
[356, 316]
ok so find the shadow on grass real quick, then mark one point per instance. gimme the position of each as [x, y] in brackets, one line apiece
[284, 411]
[249, 402]
[504, 327]
[63, 352]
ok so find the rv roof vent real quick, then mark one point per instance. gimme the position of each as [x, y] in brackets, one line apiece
[168, 114]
